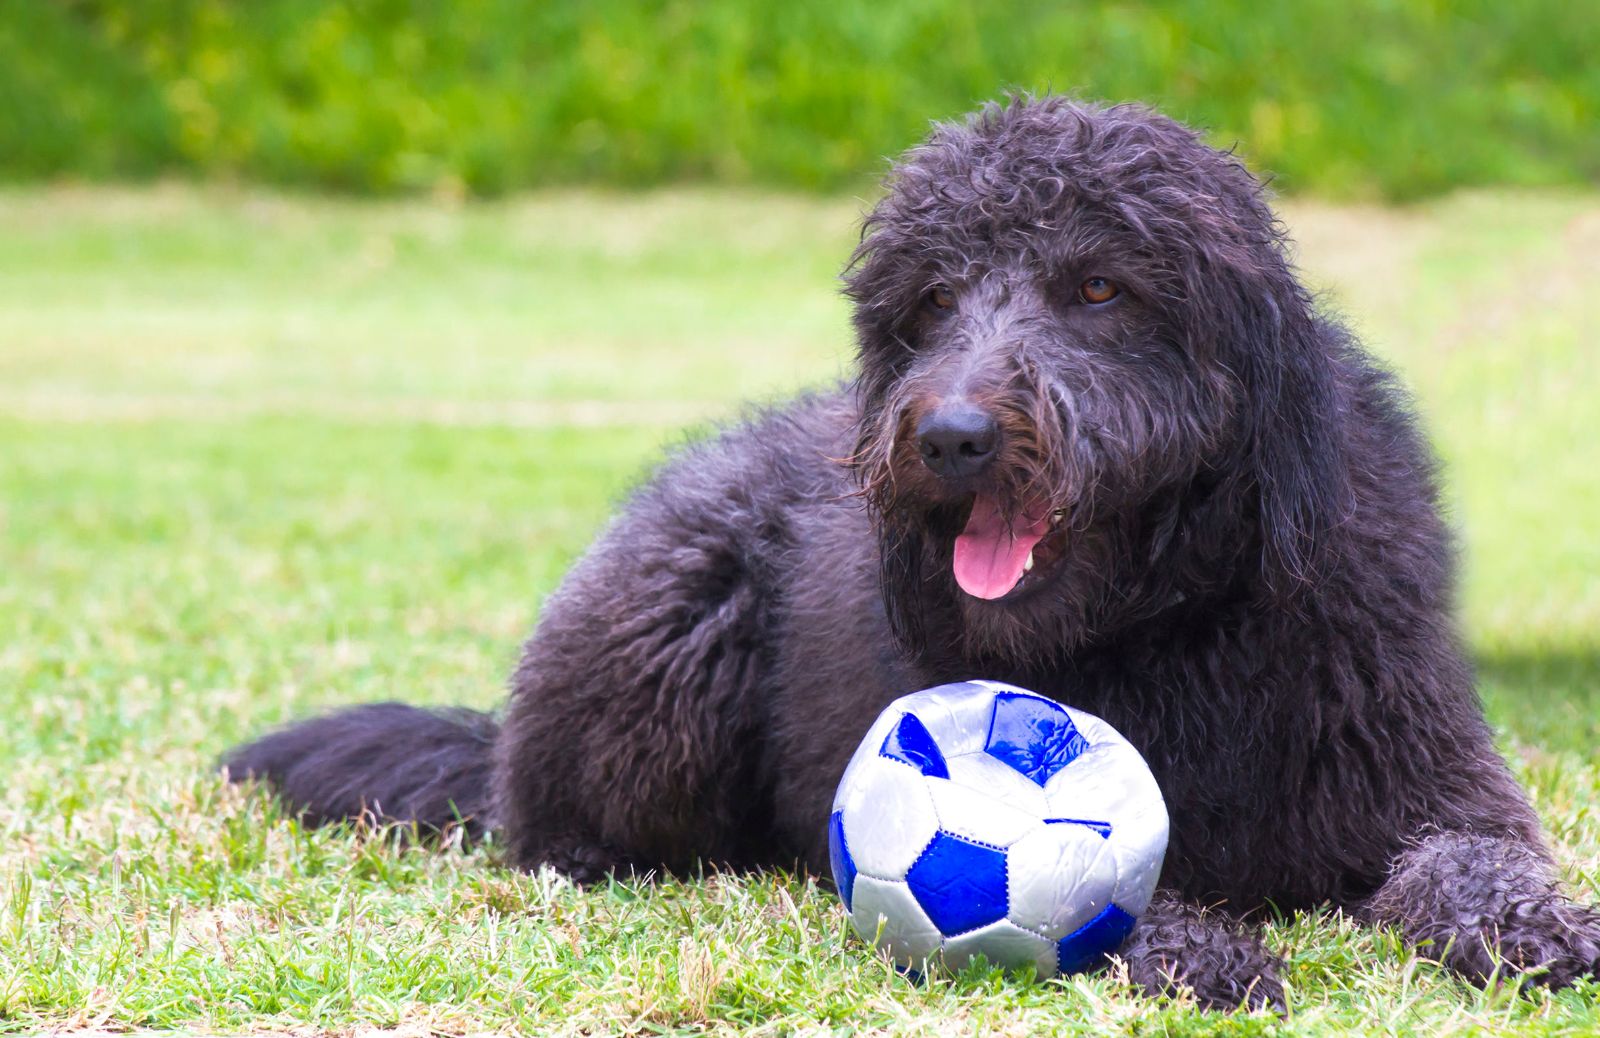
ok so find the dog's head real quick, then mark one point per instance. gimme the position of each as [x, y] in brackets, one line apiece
[1090, 384]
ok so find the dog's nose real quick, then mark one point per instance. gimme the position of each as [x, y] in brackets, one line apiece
[957, 440]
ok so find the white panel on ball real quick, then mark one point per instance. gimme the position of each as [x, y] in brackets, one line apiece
[999, 780]
[974, 814]
[888, 817]
[883, 912]
[875, 735]
[1137, 873]
[1059, 877]
[1111, 777]
[1112, 782]
[1004, 945]
[957, 715]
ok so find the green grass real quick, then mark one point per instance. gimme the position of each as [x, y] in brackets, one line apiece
[1391, 98]
[261, 455]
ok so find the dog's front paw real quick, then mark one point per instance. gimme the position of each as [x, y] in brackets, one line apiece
[585, 864]
[1178, 946]
[1489, 908]
[1544, 940]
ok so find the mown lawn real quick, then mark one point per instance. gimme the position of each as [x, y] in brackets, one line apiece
[261, 455]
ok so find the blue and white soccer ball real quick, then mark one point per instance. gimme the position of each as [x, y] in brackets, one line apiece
[982, 819]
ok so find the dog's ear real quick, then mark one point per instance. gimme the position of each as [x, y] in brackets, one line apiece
[1294, 442]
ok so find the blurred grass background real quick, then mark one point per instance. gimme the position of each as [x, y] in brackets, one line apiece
[1361, 98]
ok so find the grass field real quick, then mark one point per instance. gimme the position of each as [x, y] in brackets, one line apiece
[1363, 98]
[261, 455]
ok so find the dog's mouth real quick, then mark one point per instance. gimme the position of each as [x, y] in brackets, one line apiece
[997, 556]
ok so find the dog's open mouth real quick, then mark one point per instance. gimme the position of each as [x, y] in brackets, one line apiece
[995, 555]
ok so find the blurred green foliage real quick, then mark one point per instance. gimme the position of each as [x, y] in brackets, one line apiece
[1390, 98]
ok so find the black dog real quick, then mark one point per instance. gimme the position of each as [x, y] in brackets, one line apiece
[1102, 446]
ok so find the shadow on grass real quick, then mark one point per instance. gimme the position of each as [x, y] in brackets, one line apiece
[1548, 697]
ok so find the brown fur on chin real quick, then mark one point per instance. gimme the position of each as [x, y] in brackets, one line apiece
[1255, 589]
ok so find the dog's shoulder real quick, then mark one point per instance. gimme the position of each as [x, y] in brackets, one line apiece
[778, 454]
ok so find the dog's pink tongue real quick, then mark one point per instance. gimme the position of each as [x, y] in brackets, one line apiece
[991, 552]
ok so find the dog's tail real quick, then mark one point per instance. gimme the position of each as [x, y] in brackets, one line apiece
[383, 762]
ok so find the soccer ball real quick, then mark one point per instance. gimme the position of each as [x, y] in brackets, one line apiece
[979, 818]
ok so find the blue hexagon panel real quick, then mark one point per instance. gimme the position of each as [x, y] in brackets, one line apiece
[844, 866]
[910, 742]
[1033, 735]
[1090, 943]
[960, 884]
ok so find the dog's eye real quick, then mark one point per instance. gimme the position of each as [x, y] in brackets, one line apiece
[941, 298]
[1098, 290]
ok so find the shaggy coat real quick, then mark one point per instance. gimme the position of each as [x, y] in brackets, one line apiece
[1079, 332]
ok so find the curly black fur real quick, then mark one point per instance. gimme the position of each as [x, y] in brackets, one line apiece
[381, 763]
[1488, 906]
[1180, 945]
[1250, 579]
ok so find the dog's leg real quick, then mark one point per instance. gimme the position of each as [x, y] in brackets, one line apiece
[631, 739]
[1180, 945]
[625, 745]
[1488, 906]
